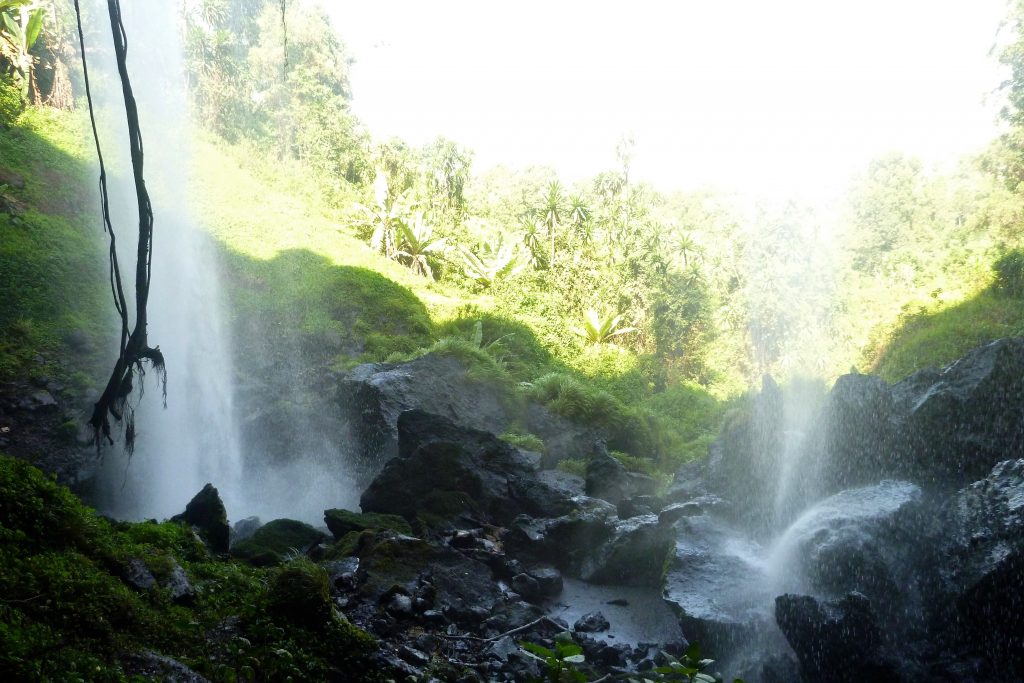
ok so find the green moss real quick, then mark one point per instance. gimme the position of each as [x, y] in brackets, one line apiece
[529, 442]
[343, 522]
[275, 540]
[67, 615]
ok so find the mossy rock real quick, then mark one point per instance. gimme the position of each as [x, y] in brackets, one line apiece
[273, 541]
[343, 522]
[300, 591]
[348, 545]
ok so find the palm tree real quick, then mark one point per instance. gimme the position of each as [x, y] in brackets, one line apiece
[551, 213]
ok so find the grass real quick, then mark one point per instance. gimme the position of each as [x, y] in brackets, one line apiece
[936, 336]
[300, 280]
[53, 277]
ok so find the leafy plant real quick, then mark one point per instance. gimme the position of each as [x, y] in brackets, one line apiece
[1009, 273]
[601, 328]
[418, 240]
[496, 260]
[382, 220]
[560, 662]
[690, 668]
[21, 22]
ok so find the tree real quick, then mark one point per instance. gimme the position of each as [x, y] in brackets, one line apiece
[551, 211]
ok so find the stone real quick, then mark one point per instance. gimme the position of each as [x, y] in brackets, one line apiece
[526, 586]
[444, 473]
[341, 522]
[549, 581]
[155, 667]
[608, 479]
[633, 555]
[244, 528]
[961, 420]
[137, 575]
[837, 641]
[274, 541]
[592, 622]
[373, 396]
[207, 514]
[176, 583]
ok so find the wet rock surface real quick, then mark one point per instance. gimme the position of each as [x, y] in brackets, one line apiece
[206, 513]
[889, 533]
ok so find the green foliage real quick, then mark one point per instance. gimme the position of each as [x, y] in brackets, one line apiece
[1009, 273]
[689, 668]
[495, 260]
[276, 540]
[529, 442]
[561, 662]
[601, 328]
[11, 103]
[67, 614]
[934, 336]
[45, 249]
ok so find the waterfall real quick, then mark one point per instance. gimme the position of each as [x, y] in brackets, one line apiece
[195, 440]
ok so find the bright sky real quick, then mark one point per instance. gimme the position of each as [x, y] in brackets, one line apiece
[786, 97]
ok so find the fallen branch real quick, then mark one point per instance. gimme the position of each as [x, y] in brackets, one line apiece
[518, 629]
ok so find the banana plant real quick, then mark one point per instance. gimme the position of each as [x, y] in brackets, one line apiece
[496, 260]
[600, 328]
[382, 220]
[418, 240]
[21, 22]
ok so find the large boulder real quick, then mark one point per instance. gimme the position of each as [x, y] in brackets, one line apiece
[276, 540]
[872, 540]
[714, 586]
[444, 472]
[836, 642]
[207, 514]
[857, 435]
[567, 541]
[633, 555]
[989, 576]
[608, 479]
[374, 395]
[960, 421]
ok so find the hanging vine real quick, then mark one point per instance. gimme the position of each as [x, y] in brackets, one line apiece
[134, 348]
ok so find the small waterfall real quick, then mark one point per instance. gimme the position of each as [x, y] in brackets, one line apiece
[195, 440]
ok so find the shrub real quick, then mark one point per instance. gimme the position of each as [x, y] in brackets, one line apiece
[1009, 273]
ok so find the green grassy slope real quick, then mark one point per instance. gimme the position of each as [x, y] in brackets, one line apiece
[52, 265]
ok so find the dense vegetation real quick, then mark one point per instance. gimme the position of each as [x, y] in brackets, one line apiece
[608, 300]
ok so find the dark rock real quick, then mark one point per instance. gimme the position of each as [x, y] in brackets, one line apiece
[244, 528]
[444, 473]
[206, 513]
[633, 555]
[565, 542]
[375, 395]
[176, 583]
[989, 576]
[608, 479]
[526, 586]
[341, 522]
[549, 581]
[638, 505]
[676, 511]
[41, 400]
[838, 641]
[592, 622]
[154, 667]
[866, 539]
[457, 582]
[272, 542]
[399, 605]
[137, 575]
[413, 656]
[962, 420]
[859, 431]
[711, 588]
